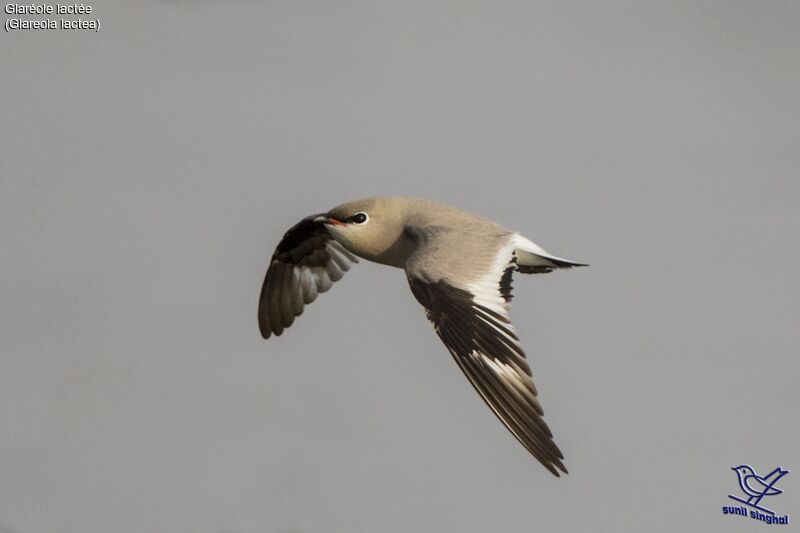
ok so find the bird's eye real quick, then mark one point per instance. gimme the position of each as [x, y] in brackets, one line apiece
[359, 218]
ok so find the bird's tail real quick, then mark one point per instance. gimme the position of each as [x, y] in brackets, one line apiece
[533, 259]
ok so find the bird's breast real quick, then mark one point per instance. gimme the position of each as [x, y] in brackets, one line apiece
[395, 255]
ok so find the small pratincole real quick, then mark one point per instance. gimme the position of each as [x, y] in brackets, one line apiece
[459, 267]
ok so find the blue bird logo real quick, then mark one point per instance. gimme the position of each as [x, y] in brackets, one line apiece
[756, 487]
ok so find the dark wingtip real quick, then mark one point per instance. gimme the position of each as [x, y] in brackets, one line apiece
[553, 470]
[265, 328]
[265, 333]
[269, 333]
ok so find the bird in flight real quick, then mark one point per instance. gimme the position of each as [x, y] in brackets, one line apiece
[459, 267]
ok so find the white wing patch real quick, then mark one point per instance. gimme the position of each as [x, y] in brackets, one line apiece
[486, 290]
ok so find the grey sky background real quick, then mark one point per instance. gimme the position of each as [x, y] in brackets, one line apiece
[148, 171]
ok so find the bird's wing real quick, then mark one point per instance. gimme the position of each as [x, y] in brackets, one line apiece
[306, 262]
[758, 486]
[473, 323]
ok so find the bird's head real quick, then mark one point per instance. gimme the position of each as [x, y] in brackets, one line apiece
[370, 228]
[743, 470]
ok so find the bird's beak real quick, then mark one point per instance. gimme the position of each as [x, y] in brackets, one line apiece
[324, 219]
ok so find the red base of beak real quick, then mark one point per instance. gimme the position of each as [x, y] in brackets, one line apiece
[329, 220]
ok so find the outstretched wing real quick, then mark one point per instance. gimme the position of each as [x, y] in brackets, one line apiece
[474, 325]
[306, 262]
